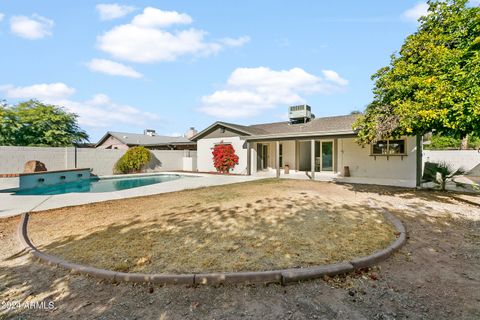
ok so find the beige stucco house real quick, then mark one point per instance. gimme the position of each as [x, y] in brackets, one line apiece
[314, 147]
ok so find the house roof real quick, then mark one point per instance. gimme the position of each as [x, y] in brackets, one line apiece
[324, 125]
[144, 140]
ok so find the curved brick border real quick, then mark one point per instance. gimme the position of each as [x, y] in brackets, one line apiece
[280, 276]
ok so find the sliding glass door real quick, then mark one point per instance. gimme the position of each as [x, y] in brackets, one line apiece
[327, 156]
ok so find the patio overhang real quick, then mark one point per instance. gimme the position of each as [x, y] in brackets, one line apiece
[310, 137]
[301, 135]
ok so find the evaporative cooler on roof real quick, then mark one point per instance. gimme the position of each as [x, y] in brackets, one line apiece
[300, 114]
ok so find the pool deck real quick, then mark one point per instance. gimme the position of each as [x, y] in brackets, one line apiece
[12, 205]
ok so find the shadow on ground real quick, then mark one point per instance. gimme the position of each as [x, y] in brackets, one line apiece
[265, 234]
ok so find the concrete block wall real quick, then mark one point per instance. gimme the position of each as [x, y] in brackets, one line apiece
[101, 160]
[168, 160]
[12, 159]
[467, 159]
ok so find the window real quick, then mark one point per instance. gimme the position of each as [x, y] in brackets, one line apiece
[281, 155]
[389, 147]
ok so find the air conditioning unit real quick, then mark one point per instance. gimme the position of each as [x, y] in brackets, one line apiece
[301, 113]
[149, 132]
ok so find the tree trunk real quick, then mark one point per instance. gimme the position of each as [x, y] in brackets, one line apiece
[464, 144]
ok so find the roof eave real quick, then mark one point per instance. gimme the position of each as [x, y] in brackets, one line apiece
[301, 135]
[217, 123]
[102, 140]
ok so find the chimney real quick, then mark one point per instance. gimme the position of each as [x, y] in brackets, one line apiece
[149, 132]
[190, 133]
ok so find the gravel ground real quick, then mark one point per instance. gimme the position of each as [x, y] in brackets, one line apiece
[436, 275]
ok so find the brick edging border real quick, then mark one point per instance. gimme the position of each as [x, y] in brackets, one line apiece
[283, 276]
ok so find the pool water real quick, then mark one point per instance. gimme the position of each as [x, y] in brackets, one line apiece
[100, 185]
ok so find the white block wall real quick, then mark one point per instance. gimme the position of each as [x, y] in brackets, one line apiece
[13, 159]
[102, 161]
[467, 159]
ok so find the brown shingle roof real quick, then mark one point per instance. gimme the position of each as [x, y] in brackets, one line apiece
[325, 125]
[144, 140]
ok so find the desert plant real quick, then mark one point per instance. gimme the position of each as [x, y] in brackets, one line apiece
[224, 157]
[133, 161]
[440, 173]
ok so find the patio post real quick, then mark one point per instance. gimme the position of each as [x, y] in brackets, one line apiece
[312, 158]
[277, 157]
[419, 154]
[249, 159]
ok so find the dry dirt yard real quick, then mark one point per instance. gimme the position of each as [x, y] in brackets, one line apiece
[261, 225]
[436, 275]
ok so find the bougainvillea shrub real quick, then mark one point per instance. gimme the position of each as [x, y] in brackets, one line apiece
[224, 157]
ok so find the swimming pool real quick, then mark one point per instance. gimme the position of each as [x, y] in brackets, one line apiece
[100, 184]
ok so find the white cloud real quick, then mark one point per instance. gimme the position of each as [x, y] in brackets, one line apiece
[144, 40]
[417, 11]
[34, 27]
[1, 16]
[250, 91]
[113, 11]
[232, 42]
[43, 91]
[97, 112]
[156, 18]
[334, 77]
[112, 68]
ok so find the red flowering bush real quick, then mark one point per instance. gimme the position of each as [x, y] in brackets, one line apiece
[224, 157]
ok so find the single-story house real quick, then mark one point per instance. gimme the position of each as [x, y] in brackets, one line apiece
[316, 147]
[149, 139]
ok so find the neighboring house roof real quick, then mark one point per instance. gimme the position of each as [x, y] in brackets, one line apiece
[324, 125]
[144, 140]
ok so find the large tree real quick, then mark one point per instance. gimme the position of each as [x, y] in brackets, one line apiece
[33, 123]
[433, 82]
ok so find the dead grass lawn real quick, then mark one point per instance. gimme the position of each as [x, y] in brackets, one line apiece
[259, 225]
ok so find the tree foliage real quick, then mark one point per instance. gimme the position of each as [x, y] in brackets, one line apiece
[133, 161]
[33, 123]
[438, 142]
[224, 157]
[433, 83]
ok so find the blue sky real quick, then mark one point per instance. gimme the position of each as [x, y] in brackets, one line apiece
[169, 65]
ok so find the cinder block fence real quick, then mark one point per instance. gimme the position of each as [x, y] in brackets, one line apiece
[13, 159]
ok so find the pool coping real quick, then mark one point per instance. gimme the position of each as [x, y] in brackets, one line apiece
[282, 276]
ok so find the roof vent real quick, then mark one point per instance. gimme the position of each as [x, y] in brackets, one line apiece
[300, 114]
[149, 132]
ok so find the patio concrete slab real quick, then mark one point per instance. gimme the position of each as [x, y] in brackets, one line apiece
[334, 177]
[11, 204]
[9, 183]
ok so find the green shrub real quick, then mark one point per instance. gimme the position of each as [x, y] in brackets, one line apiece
[474, 143]
[438, 142]
[443, 142]
[133, 161]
